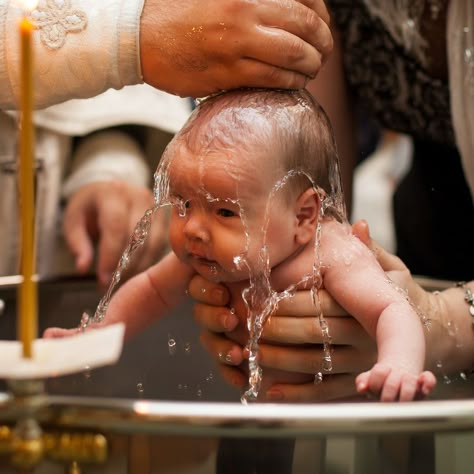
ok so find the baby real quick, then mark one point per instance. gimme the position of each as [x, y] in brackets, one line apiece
[254, 183]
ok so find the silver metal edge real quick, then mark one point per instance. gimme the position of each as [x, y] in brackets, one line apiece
[233, 419]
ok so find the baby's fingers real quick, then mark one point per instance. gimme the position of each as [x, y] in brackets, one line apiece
[52, 333]
[332, 387]
[426, 383]
[375, 380]
[408, 388]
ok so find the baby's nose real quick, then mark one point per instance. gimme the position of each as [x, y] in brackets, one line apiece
[196, 228]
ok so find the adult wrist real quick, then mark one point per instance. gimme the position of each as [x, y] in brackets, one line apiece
[450, 336]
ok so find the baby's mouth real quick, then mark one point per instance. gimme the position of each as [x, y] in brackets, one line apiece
[202, 260]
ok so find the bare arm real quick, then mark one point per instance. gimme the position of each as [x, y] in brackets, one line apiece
[362, 288]
[150, 295]
[143, 299]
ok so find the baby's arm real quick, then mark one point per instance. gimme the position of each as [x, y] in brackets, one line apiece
[144, 298]
[359, 284]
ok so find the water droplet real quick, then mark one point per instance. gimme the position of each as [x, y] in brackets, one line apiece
[210, 377]
[463, 375]
[318, 378]
[140, 388]
[87, 372]
[187, 348]
[238, 261]
[199, 393]
[171, 346]
[446, 380]
[327, 363]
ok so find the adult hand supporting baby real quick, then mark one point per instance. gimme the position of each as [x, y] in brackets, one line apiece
[292, 340]
[107, 212]
[203, 46]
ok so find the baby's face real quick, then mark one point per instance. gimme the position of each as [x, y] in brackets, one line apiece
[220, 213]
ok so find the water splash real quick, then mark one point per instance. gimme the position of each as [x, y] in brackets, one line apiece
[262, 300]
[161, 194]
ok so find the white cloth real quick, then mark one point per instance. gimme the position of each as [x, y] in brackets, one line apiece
[460, 50]
[105, 54]
[139, 105]
[104, 155]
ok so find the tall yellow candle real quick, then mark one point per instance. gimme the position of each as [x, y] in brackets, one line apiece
[27, 293]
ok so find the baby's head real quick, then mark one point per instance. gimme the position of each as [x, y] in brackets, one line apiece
[287, 130]
[243, 171]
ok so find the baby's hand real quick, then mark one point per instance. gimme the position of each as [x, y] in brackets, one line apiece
[52, 333]
[392, 384]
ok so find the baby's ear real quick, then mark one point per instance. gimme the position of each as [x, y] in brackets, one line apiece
[307, 213]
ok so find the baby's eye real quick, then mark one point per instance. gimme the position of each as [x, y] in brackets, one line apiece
[226, 213]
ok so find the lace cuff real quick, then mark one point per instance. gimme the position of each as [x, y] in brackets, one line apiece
[82, 48]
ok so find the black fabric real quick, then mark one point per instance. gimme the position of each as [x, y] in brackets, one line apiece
[255, 456]
[389, 81]
[433, 209]
[434, 215]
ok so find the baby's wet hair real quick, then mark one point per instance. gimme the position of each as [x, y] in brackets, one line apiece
[295, 127]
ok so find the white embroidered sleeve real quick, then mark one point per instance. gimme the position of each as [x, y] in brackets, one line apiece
[82, 48]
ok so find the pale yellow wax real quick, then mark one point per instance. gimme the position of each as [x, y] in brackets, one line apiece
[28, 292]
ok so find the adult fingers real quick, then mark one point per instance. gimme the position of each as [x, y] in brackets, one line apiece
[319, 7]
[222, 349]
[113, 234]
[305, 19]
[303, 304]
[215, 318]
[283, 50]
[309, 359]
[208, 292]
[387, 261]
[77, 237]
[333, 387]
[251, 72]
[291, 330]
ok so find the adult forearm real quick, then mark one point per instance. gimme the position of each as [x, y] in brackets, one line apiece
[81, 49]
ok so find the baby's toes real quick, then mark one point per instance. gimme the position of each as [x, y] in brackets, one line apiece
[52, 333]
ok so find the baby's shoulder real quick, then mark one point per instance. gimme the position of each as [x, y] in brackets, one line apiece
[339, 245]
